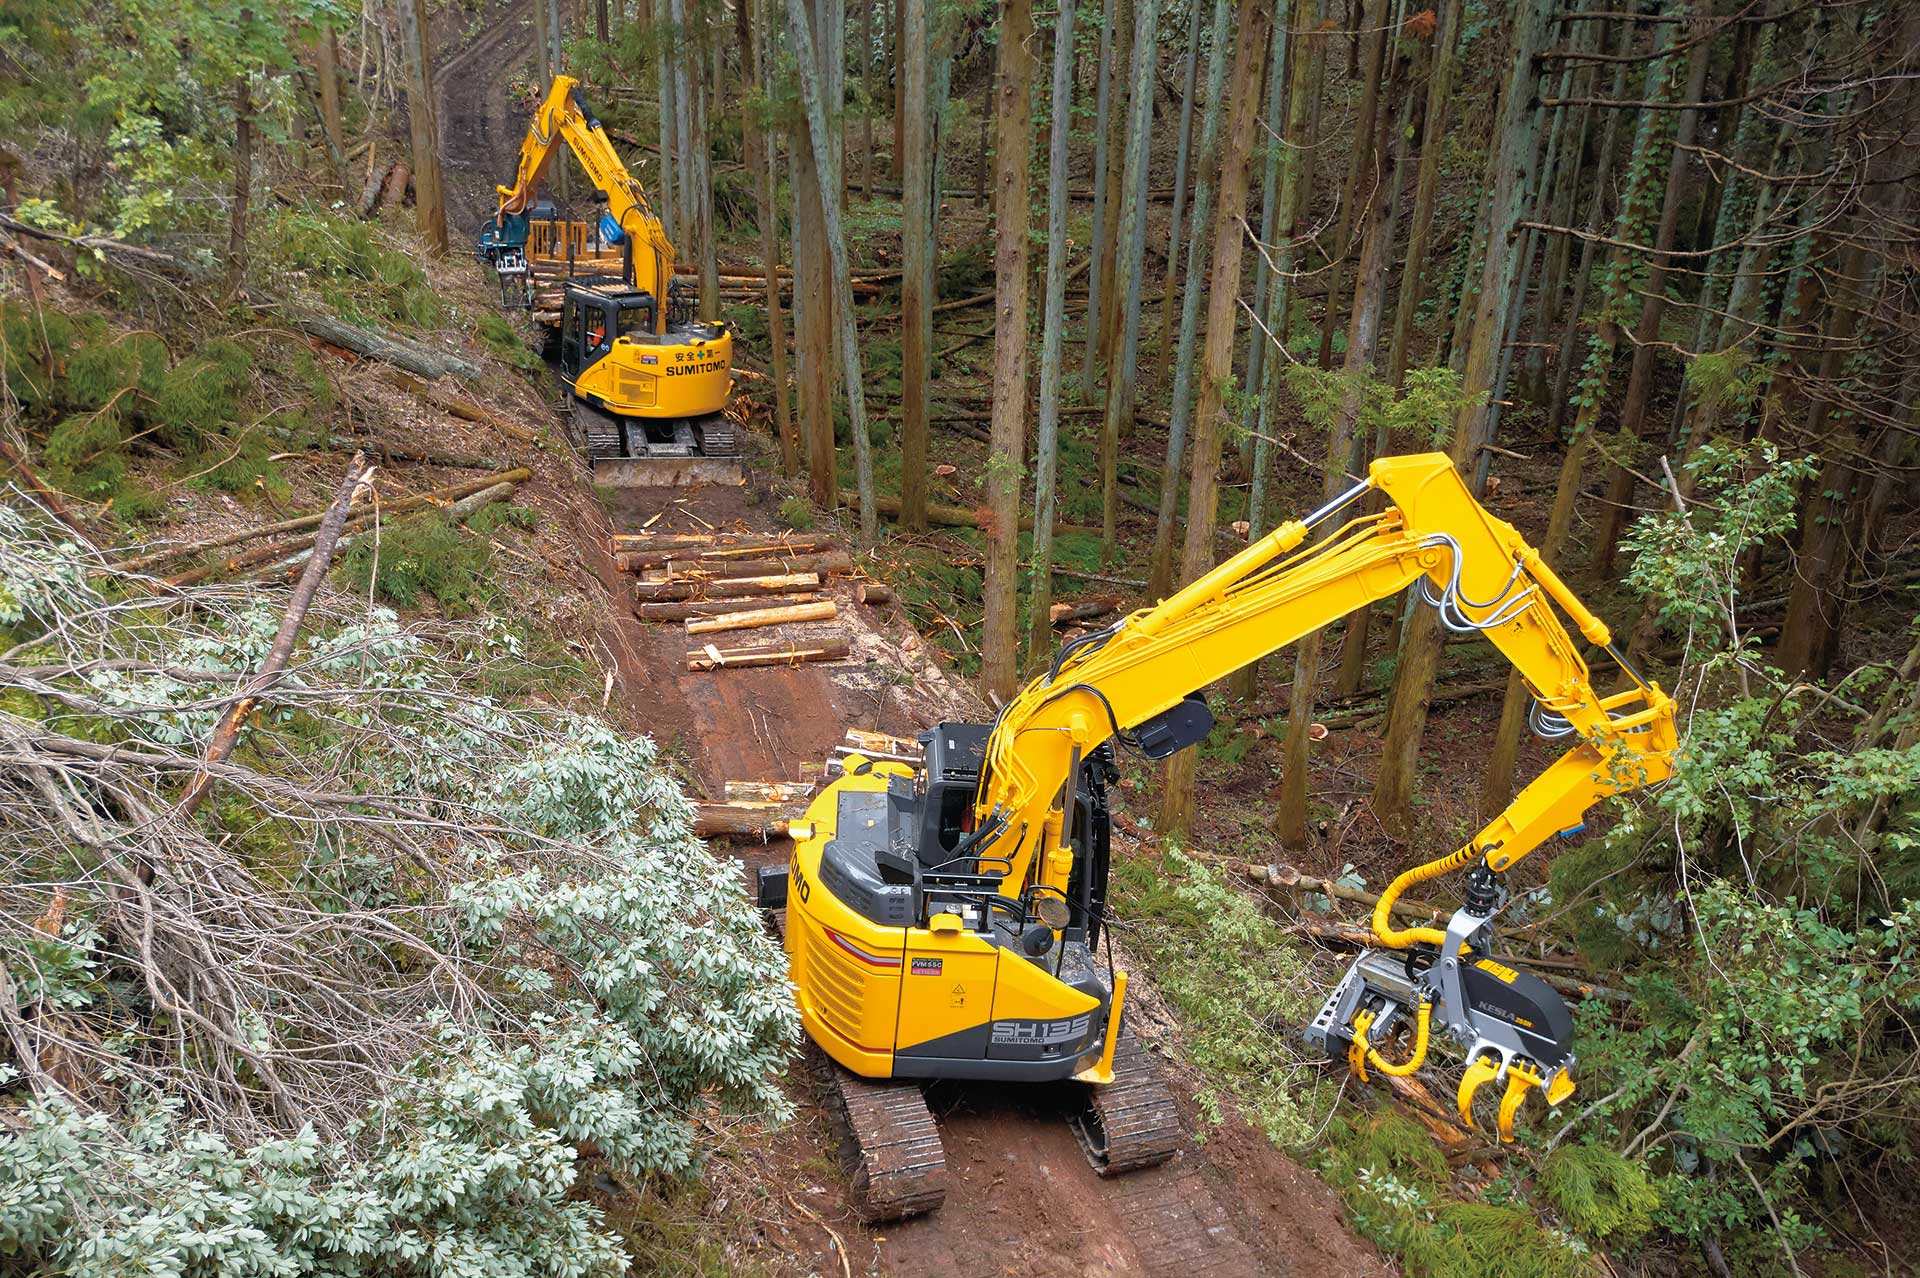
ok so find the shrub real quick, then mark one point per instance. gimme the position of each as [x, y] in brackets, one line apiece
[425, 555]
[461, 948]
[1598, 1192]
[796, 512]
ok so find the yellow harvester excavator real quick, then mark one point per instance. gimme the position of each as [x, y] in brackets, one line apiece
[943, 921]
[646, 379]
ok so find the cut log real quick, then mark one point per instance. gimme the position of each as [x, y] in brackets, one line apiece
[873, 593]
[767, 791]
[777, 654]
[714, 607]
[393, 192]
[760, 618]
[863, 739]
[382, 346]
[764, 820]
[833, 563]
[630, 554]
[376, 180]
[739, 588]
[1083, 609]
[458, 513]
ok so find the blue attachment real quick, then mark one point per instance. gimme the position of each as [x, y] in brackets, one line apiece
[610, 231]
[1572, 830]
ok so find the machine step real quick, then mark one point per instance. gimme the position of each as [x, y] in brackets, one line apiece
[1131, 1122]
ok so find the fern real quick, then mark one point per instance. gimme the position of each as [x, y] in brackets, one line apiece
[1600, 1193]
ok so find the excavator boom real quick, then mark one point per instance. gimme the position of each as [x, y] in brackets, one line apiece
[942, 920]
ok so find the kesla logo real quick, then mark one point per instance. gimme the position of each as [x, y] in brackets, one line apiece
[1039, 1033]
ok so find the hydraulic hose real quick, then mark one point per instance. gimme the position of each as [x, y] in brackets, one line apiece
[1403, 938]
[1423, 1021]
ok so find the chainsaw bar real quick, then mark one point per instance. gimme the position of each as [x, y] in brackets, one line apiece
[1131, 1122]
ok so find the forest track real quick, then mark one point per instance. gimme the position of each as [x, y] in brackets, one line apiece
[1021, 1197]
[480, 126]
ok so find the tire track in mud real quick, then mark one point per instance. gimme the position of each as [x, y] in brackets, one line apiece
[479, 134]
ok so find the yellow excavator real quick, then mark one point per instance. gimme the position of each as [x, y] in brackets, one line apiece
[646, 379]
[943, 921]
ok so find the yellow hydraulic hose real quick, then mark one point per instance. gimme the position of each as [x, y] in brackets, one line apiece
[1403, 938]
[1422, 1022]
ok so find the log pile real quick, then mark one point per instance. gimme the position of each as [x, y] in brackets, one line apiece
[718, 583]
[766, 809]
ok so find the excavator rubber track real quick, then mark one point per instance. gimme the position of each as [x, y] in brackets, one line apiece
[891, 1144]
[888, 1137]
[1131, 1122]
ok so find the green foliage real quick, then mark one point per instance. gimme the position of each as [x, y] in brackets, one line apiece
[423, 556]
[1598, 1192]
[1421, 415]
[201, 395]
[1232, 975]
[500, 338]
[965, 271]
[796, 512]
[1687, 560]
[358, 276]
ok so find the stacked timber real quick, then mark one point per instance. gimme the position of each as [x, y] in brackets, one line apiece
[766, 809]
[720, 583]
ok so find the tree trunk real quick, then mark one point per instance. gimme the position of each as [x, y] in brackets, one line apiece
[1515, 160]
[825, 162]
[1262, 267]
[896, 161]
[1183, 151]
[1124, 286]
[813, 318]
[1293, 155]
[670, 140]
[762, 158]
[866, 94]
[692, 92]
[1103, 112]
[1223, 304]
[242, 180]
[1160, 568]
[1107, 231]
[327, 68]
[917, 262]
[1446, 38]
[1358, 162]
[1376, 220]
[1052, 339]
[1013, 136]
[1613, 516]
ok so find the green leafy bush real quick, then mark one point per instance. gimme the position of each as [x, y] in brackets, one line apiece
[495, 956]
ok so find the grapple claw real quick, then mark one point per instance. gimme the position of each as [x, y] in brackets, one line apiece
[1357, 1052]
[1483, 1070]
[1560, 1087]
[1520, 1078]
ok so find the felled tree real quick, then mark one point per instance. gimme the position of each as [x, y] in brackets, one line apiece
[364, 1010]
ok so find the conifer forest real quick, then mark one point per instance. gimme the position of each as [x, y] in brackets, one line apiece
[799, 638]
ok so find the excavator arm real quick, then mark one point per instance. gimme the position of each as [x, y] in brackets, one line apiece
[563, 117]
[1139, 681]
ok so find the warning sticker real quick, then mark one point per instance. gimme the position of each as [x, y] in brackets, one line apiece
[927, 967]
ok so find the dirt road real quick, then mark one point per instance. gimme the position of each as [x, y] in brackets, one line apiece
[1023, 1200]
